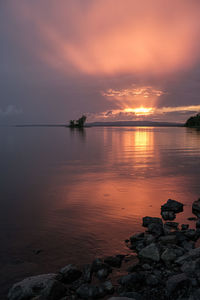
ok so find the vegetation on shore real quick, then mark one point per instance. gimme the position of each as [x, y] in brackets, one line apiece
[193, 121]
[78, 123]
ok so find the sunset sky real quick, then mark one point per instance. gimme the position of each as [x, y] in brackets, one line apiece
[110, 59]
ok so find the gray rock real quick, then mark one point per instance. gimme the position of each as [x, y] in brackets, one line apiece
[168, 215]
[175, 282]
[173, 225]
[108, 287]
[149, 220]
[155, 229]
[87, 273]
[188, 245]
[198, 224]
[196, 208]
[87, 291]
[131, 295]
[172, 205]
[168, 239]
[130, 279]
[114, 261]
[150, 252]
[191, 255]
[190, 234]
[152, 280]
[70, 273]
[98, 264]
[102, 274]
[168, 255]
[184, 226]
[46, 286]
[121, 298]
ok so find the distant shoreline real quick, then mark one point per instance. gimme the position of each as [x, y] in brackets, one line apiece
[111, 124]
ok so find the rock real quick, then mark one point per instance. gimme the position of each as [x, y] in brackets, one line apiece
[114, 261]
[150, 252]
[176, 282]
[198, 224]
[190, 234]
[155, 229]
[192, 219]
[108, 287]
[98, 264]
[168, 239]
[121, 298]
[188, 245]
[146, 267]
[87, 291]
[184, 226]
[191, 255]
[70, 273]
[168, 255]
[87, 273]
[131, 295]
[172, 205]
[130, 280]
[149, 220]
[168, 215]
[102, 274]
[152, 280]
[173, 225]
[189, 267]
[196, 208]
[45, 286]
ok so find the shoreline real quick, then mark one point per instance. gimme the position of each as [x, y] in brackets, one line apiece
[164, 265]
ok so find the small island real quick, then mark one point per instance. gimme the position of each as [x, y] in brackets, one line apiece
[193, 121]
[78, 123]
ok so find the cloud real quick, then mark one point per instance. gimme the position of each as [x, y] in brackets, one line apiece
[10, 110]
[109, 37]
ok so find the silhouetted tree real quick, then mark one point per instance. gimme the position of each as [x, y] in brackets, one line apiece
[193, 121]
[78, 123]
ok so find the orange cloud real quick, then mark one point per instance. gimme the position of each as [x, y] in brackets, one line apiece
[115, 37]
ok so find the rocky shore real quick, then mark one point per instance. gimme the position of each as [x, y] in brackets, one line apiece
[165, 265]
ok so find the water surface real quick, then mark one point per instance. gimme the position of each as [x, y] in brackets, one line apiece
[77, 194]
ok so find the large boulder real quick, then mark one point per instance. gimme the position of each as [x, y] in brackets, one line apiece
[196, 208]
[46, 286]
[150, 252]
[88, 291]
[172, 205]
[168, 215]
[70, 273]
[176, 283]
[114, 261]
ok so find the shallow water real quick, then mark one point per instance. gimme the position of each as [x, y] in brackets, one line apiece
[77, 194]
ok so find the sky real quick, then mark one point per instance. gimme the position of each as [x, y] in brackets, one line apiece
[110, 59]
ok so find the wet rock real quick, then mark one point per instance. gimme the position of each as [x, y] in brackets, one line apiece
[114, 261]
[176, 282]
[108, 287]
[168, 255]
[152, 280]
[155, 229]
[196, 208]
[191, 255]
[45, 286]
[98, 264]
[70, 273]
[188, 245]
[121, 298]
[150, 252]
[146, 267]
[149, 220]
[87, 291]
[192, 219]
[184, 226]
[168, 215]
[173, 225]
[130, 280]
[198, 224]
[190, 234]
[172, 205]
[87, 273]
[131, 295]
[102, 274]
[168, 239]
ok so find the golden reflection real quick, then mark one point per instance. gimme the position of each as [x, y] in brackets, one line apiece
[143, 138]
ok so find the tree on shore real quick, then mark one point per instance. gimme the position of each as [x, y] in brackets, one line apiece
[78, 123]
[193, 121]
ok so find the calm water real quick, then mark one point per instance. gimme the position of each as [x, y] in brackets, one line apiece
[77, 195]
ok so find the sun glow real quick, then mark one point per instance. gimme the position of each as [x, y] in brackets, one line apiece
[140, 111]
